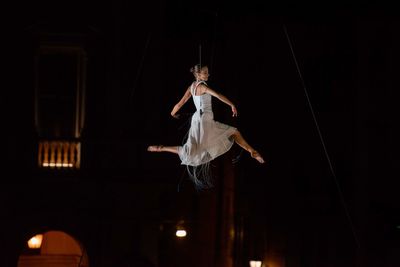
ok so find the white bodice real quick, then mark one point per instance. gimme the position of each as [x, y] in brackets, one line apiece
[202, 102]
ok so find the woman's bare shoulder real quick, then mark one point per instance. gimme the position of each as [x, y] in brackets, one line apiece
[203, 87]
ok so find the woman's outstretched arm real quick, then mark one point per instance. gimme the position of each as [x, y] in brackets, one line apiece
[181, 102]
[222, 98]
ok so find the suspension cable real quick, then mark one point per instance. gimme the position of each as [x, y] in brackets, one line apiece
[343, 202]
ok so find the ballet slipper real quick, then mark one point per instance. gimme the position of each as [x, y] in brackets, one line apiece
[155, 148]
[257, 156]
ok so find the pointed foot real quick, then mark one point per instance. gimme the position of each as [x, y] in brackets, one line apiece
[158, 148]
[257, 156]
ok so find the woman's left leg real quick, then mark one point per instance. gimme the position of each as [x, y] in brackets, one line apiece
[161, 148]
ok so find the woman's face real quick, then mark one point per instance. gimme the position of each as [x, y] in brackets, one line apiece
[203, 74]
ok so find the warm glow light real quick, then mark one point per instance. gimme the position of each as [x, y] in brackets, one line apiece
[180, 233]
[35, 242]
[59, 154]
[64, 165]
[255, 263]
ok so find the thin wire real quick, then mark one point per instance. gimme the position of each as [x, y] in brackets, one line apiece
[322, 141]
[200, 56]
[214, 41]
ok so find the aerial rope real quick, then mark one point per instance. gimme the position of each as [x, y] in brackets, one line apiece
[139, 70]
[200, 58]
[342, 199]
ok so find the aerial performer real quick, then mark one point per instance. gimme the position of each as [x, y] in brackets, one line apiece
[206, 139]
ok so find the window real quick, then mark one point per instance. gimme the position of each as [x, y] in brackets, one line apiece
[59, 104]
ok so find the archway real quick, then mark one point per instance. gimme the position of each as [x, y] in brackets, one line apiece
[53, 248]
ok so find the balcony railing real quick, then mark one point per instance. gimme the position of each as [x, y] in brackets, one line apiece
[59, 154]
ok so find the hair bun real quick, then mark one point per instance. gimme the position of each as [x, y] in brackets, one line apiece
[196, 68]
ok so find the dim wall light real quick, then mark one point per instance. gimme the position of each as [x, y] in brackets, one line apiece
[35, 242]
[181, 233]
[255, 263]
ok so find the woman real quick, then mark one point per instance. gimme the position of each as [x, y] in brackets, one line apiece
[207, 139]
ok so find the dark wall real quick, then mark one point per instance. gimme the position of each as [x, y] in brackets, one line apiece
[316, 95]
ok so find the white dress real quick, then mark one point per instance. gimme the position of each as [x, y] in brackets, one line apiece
[206, 139]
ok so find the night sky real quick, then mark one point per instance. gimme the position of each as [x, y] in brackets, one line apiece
[316, 88]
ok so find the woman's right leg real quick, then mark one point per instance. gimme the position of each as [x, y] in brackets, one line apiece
[239, 139]
[161, 148]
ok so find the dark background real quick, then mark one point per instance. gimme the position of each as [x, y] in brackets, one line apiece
[316, 86]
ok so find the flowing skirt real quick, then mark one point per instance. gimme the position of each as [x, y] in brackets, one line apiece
[206, 140]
